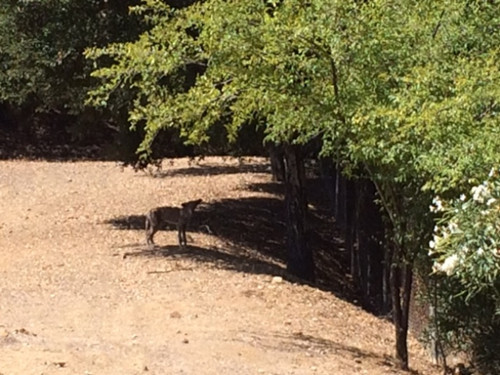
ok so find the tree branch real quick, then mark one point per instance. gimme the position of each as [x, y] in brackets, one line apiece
[438, 25]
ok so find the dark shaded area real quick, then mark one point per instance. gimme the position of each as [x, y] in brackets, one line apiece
[209, 170]
[300, 257]
[300, 342]
[39, 143]
[215, 257]
[247, 223]
[330, 253]
[254, 230]
[274, 188]
[66, 139]
[255, 223]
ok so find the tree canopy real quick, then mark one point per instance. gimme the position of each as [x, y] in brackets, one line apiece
[406, 85]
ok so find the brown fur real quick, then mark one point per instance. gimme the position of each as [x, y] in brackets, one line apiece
[181, 217]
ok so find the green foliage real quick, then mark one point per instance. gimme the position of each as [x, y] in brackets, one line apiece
[240, 75]
[42, 44]
[44, 76]
[386, 83]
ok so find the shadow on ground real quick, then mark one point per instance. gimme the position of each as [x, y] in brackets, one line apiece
[300, 342]
[253, 231]
[213, 256]
[201, 169]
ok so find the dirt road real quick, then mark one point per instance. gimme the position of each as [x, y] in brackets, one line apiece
[71, 304]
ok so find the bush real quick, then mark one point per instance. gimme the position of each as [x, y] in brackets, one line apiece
[466, 249]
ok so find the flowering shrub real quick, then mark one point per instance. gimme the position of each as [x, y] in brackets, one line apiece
[466, 242]
[466, 252]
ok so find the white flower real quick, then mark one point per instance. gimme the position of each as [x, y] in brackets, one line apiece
[462, 197]
[437, 205]
[449, 264]
[452, 227]
[434, 243]
[479, 193]
[491, 201]
[480, 251]
[464, 249]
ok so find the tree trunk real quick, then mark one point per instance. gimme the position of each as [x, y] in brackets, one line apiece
[386, 282]
[336, 202]
[277, 161]
[300, 257]
[369, 235]
[360, 276]
[401, 284]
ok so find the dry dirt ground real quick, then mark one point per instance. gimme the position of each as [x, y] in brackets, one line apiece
[81, 294]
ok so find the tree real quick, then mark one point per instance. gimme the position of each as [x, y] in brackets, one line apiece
[400, 92]
[179, 40]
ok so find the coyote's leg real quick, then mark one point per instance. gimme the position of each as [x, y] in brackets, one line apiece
[151, 227]
[186, 213]
[181, 229]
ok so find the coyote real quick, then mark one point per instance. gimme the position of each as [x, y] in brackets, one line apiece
[160, 215]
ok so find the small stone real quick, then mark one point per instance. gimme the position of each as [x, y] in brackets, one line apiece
[175, 315]
[277, 280]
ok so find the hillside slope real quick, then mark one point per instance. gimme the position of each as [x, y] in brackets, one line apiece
[81, 294]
